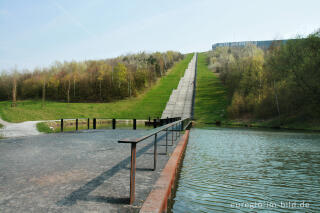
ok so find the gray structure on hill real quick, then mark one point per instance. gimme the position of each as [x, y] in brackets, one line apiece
[180, 103]
[261, 44]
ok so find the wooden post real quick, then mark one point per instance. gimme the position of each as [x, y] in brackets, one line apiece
[134, 124]
[154, 123]
[132, 172]
[155, 153]
[113, 123]
[77, 124]
[94, 123]
[88, 123]
[61, 124]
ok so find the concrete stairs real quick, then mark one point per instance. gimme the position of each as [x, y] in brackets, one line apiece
[181, 100]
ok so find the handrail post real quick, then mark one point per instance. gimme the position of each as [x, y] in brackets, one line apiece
[77, 124]
[177, 132]
[176, 126]
[61, 124]
[167, 140]
[88, 123]
[132, 172]
[172, 135]
[155, 153]
[134, 124]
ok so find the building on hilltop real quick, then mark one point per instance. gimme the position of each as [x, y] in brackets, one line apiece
[261, 44]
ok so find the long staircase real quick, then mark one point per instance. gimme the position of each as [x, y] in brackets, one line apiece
[180, 103]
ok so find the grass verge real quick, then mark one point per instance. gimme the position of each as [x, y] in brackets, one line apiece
[151, 103]
[44, 127]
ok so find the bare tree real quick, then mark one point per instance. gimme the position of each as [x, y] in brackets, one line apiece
[14, 90]
[43, 91]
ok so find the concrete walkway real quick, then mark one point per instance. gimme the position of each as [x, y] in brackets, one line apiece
[181, 100]
[27, 128]
[88, 171]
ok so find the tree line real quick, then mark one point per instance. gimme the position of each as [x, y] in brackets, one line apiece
[88, 81]
[282, 81]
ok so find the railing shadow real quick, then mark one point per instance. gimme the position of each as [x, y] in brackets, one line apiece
[102, 199]
[83, 192]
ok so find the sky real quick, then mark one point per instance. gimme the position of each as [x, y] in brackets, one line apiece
[36, 33]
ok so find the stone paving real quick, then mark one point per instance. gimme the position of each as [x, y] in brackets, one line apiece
[181, 99]
[88, 171]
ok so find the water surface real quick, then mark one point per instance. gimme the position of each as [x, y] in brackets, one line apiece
[232, 170]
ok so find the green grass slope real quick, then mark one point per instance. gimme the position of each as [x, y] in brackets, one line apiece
[210, 99]
[151, 103]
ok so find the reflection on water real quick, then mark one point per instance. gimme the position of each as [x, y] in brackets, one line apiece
[227, 170]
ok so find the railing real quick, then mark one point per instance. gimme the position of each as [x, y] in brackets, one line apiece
[175, 126]
[94, 123]
[113, 122]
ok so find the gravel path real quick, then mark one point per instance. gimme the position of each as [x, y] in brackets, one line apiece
[27, 128]
[87, 171]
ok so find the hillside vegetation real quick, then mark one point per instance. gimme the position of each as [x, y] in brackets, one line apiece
[278, 87]
[89, 81]
[150, 103]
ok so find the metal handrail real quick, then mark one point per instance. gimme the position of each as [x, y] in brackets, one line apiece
[153, 132]
[133, 141]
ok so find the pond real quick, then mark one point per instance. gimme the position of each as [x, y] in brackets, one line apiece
[233, 170]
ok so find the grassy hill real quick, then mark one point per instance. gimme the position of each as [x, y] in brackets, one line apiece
[210, 100]
[211, 104]
[151, 103]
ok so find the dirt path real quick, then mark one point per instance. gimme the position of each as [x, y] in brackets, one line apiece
[26, 128]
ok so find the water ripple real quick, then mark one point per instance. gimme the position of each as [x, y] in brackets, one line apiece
[249, 171]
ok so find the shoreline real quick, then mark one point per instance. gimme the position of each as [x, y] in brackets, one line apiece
[254, 126]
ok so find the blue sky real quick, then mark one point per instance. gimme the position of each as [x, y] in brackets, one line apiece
[35, 33]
